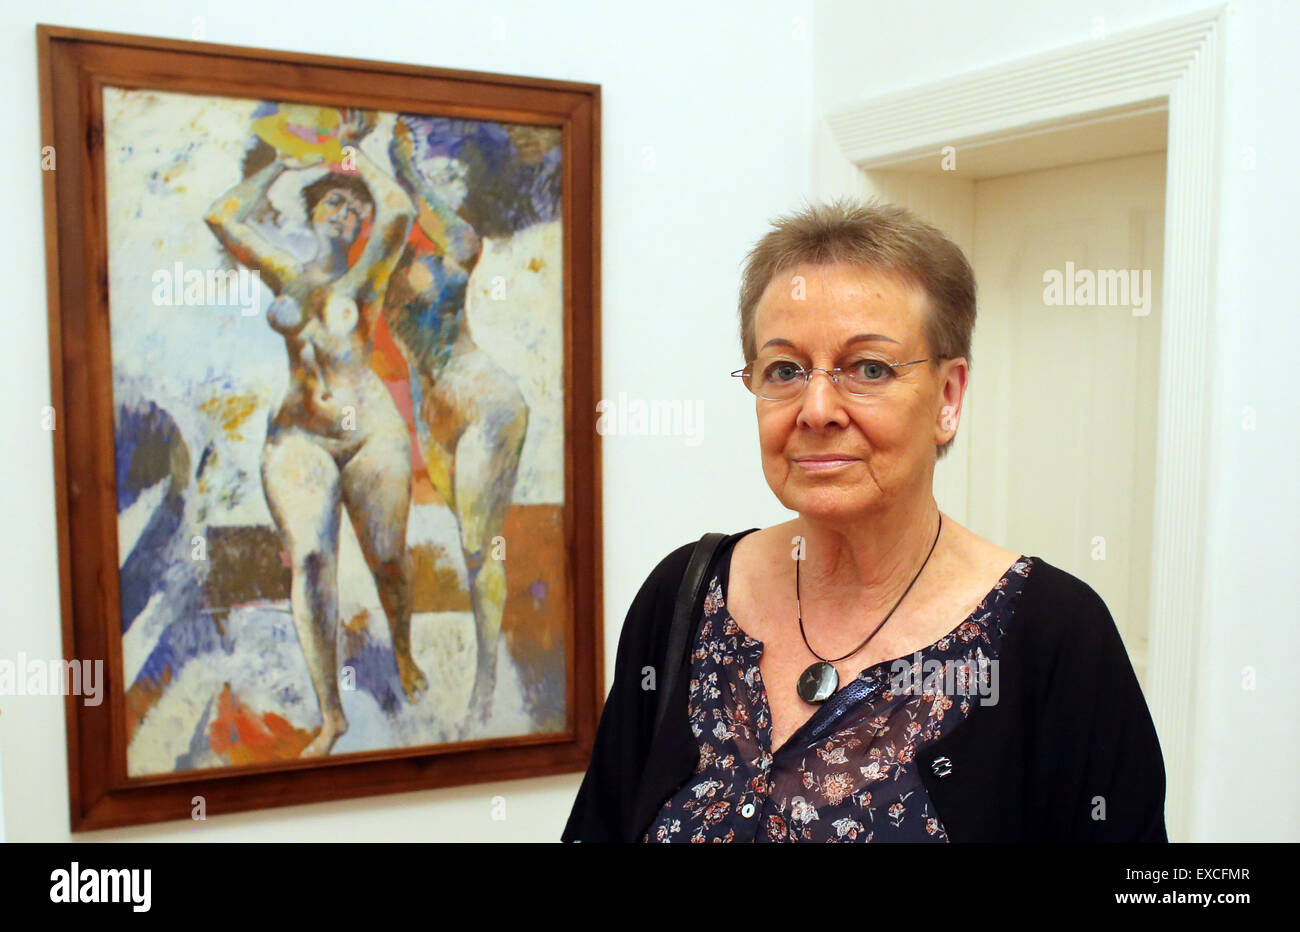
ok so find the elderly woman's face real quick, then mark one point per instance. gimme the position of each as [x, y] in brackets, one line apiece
[811, 315]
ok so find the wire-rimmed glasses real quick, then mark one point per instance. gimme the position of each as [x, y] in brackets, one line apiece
[779, 378]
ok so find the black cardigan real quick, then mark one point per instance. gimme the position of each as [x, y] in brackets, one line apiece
[1069, 737]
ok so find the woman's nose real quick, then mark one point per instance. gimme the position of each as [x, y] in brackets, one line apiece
[821, 399]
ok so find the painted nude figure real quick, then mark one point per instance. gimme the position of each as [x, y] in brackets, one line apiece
[471, 417]
[337, 439]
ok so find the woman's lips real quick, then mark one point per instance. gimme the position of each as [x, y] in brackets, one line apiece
[821, 463]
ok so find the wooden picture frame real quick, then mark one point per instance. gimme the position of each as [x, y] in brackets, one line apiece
[78, 68]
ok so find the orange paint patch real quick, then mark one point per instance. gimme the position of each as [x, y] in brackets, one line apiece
[385, 358]
[141, 697]
[535, 264]
[437, 586]
[247, 737]
[390, 365]
[422, 490]
[231, 411]
[359, 244]
[537, 588]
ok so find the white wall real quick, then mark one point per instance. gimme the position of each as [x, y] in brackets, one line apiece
[727, 97]
[724, 100]
[1248, 740]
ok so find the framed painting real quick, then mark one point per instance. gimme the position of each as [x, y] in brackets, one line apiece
[324, 350]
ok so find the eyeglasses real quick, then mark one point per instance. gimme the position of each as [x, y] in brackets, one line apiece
[777, 378]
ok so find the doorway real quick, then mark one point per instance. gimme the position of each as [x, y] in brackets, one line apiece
[1055, 455]
[1066, 382]
[1056, 450]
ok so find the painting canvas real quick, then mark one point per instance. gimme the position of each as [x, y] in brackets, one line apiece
[322, 427]
[340, 434]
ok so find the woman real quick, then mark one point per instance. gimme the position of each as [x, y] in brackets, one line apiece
[869, 670]
[337, 438]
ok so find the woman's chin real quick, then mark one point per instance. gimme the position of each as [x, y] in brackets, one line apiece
[829, 504]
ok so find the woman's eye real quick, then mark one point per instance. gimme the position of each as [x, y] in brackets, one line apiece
[781, 372]
[870, 370]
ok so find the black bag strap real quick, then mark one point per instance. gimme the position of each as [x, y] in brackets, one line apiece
[689, 595]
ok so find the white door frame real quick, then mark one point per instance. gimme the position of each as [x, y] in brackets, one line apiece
[1179, 61]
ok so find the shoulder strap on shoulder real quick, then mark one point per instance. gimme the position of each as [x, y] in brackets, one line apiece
[689, 595]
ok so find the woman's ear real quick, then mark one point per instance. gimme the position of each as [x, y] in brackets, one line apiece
[953, 390]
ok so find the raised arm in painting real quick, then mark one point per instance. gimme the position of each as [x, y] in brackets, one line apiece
[228, 220]
[443, 226]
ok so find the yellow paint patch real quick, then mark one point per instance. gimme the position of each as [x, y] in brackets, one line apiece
[358, 623]
[535, 264]
[432, 226]
[230, 411]
[291, 127]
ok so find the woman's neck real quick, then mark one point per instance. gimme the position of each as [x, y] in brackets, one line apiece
[874, 557]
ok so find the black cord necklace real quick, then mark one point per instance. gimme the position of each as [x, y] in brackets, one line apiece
[820, 681]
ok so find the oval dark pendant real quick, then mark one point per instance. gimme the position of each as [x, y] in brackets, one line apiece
[818, 683]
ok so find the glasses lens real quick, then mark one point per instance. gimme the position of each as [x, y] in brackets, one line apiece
[866, 375]
[776, 378]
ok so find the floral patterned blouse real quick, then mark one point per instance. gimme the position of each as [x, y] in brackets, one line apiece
[847, 774]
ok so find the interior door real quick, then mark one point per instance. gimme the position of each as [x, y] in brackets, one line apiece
[1062, 405]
